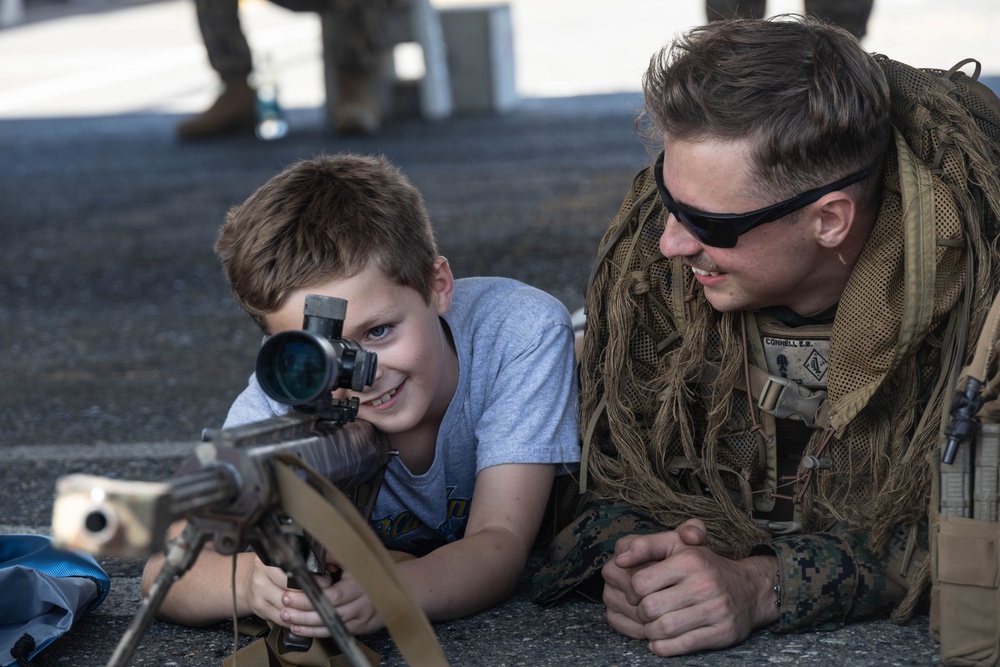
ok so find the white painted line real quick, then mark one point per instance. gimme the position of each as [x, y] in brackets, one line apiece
[19, 529]
[117, 452]
[82, 82]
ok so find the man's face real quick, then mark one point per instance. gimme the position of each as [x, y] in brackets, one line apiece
[770, 265]
[416, 370]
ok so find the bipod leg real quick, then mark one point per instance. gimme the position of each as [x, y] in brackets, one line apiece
[182, 551]
[280, 551]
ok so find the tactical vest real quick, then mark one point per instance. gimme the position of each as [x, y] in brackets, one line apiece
[786, 381]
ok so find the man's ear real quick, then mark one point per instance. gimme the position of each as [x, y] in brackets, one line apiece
[442, 285]
[837, 212]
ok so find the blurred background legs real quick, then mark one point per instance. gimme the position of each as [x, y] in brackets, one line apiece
[851, 15]
[717, 10]
[355, 48]
[234, 111]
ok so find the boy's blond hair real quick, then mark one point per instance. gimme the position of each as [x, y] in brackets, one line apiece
[321, 219]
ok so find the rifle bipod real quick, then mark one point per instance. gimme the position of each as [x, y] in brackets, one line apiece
[183, 550]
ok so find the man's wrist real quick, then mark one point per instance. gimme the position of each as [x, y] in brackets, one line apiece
[768, 590]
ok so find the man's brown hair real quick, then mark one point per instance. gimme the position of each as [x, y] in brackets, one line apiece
[321, 219]
[812, 103]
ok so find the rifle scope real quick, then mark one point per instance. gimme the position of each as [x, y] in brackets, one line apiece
[301, 368]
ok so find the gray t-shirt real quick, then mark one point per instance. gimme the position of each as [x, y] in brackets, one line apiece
[515, 402]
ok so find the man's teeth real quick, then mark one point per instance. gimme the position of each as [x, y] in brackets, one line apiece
[382, 399]
[700, 272]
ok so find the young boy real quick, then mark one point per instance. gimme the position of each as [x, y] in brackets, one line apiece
[475, 387]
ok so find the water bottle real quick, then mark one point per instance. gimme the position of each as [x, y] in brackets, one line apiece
[271, 123]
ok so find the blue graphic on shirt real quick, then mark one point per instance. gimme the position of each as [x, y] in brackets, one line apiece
[404, 531]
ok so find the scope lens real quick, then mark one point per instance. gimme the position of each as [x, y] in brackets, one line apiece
[293, 368]
[299, 368]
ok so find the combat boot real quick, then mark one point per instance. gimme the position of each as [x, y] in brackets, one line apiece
[356, 109]
[233, 112]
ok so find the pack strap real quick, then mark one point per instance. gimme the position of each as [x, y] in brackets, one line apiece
[776, 396]
[588, 436]
[986, 348]
[785, 399]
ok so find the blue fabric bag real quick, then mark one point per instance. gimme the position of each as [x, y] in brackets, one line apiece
[43, 592]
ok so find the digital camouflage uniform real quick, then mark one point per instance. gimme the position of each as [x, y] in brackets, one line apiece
[669, 432]
[852, 15]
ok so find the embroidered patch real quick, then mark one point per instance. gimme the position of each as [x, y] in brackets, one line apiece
[802, 360]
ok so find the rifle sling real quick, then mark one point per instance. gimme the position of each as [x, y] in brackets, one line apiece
[333, 521]
[267, 652]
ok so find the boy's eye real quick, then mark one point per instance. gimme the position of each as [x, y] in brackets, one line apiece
[381, 331]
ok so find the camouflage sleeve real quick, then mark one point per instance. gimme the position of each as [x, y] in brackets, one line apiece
[829, 579]
[577, 554]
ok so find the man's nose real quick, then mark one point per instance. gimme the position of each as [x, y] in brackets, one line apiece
[677, 240]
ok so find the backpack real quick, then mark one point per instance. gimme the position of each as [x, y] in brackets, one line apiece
[963, 514]
[964, 527]
[45, 591]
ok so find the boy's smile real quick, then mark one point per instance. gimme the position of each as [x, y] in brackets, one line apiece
[417, 369]
[384, 398]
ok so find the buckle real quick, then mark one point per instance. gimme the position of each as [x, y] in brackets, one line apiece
[790, 400]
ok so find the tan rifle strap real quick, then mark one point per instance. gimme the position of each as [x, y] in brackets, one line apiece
[332, 520]
[266, 652]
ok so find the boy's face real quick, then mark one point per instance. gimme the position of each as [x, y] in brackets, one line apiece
[417, 369]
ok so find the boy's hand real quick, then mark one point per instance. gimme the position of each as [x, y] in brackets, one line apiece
[265, 589]
[354, 607]
[458, 578]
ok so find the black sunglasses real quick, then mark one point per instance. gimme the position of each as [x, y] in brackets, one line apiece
[721, 230]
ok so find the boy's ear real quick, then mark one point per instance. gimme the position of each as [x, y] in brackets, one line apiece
[442, 285]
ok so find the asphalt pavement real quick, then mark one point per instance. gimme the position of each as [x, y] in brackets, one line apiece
[120, 341]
